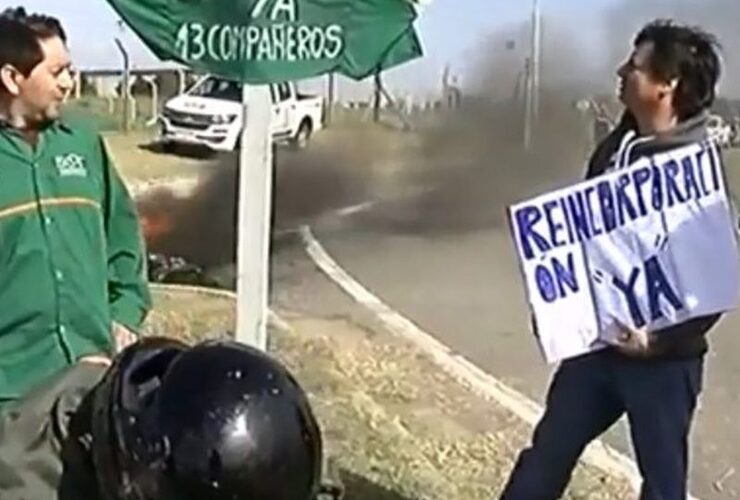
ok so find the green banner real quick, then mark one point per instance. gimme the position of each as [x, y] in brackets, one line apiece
[267, 41]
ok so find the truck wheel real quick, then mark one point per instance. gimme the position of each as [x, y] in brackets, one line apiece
[300, 141]
[169, 147]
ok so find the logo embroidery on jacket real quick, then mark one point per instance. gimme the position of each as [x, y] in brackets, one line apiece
[71, 165]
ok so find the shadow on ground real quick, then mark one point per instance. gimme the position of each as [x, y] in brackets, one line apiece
[361, 488]
[182, 150]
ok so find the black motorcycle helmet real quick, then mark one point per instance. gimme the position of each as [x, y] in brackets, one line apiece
[218, 421]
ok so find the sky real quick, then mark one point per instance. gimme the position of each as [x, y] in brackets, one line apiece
[453, 32]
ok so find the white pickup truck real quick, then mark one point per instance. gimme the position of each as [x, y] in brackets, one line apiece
[210, 114]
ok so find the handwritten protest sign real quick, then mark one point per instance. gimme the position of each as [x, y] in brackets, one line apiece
[647, 246]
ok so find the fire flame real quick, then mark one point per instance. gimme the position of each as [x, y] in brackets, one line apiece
[154, 227]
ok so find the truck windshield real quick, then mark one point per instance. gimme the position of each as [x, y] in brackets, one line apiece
[218, 89]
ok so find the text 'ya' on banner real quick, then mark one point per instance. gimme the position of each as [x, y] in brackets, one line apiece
[646, 247]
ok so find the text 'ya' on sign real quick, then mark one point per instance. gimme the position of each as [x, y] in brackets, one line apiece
[647, 246]
[267, 41]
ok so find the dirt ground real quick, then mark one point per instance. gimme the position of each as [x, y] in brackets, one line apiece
[395, 426]
[139, 159]
[393, 439]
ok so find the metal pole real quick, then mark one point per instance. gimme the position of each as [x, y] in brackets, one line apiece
[133, 103]
[152, 81]
[446, 86]
[78, 85]
[527, 104]
[330, 99]
[125, 84]
[376, 97]
[394, 107]
[531, 111]
[254, 217]
[180, 80]
[536, 53]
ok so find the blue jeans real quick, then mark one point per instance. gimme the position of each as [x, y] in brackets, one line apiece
[587, 396]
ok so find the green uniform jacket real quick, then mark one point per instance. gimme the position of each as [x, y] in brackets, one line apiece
[71, 255]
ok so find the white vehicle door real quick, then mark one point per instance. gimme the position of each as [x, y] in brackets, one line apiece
[281, 98]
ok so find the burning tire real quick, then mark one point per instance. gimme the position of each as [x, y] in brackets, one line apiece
[300, 141]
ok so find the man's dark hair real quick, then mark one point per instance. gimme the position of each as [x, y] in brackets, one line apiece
[687, 54]
[20, 34]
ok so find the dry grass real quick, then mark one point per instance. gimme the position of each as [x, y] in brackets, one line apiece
[398, 428]
[189, 315]
[139, 160]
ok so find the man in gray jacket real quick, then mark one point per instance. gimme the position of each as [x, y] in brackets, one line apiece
[667, 86]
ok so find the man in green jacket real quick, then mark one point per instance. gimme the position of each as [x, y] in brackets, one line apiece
[74, 287]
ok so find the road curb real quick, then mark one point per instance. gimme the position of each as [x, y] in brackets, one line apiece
[597, 454]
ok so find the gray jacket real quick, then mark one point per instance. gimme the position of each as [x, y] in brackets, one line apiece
[619, 149]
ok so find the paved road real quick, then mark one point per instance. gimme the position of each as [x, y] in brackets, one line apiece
[464, 288]
[446, 265]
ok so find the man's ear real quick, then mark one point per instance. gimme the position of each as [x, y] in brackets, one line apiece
[669, 87]
[11, 78]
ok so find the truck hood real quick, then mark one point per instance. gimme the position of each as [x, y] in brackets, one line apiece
[203, 105]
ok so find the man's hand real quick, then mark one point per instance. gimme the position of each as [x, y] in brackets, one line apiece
[633, 342]
[122, 336]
